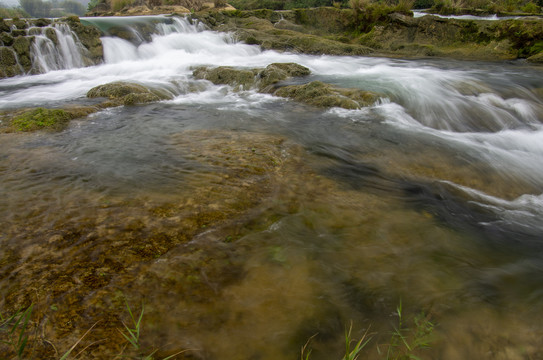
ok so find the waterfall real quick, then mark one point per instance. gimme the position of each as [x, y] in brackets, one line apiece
[56, 48]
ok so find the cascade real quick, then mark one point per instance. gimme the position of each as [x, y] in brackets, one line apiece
[56, 47]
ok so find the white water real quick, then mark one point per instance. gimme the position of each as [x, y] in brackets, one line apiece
[491, 110]
[465, 17]
[65, 54]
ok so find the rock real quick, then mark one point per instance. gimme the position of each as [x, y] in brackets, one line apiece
[278, 72]
[536, 59]
[20, 24]
[27, 120]
[7, 39]
[42, 22]
[242, 79]
[18, 32]
[224, 75]
[8, 63]
[319, 94]
[89, 37]
[123, 93]
[3, 26]
[51, 34]
[40, 118]
[21, 46]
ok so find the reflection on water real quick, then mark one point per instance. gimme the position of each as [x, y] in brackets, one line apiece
[248, 224]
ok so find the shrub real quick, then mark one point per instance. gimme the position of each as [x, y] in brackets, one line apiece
[531, 8]
[117, 5]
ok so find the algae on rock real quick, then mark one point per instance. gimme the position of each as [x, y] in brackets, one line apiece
[125, 93]
[317, 93]
[244, 79]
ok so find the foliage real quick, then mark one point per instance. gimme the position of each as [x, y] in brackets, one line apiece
[193, 5]
[92, 4]
[15, 329]
[37, 8]
[17, 12]
[40, 118]
[117, 5]
[219, 3]
[405, 342]
[352, 354]
[284, 4]
[531, 8]
[367, 13]
[72, 8]
[133, 334]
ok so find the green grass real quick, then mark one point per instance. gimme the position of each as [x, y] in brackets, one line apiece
[406, 342]
[16, 330]
[133, 334]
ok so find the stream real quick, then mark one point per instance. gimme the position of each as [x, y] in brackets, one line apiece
[248, 224]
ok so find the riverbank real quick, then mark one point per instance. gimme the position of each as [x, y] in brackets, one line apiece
[391, 34]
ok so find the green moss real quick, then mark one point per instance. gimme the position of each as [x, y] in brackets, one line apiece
[124, 93]
[319, 94]
[239, 79]
[41, 118]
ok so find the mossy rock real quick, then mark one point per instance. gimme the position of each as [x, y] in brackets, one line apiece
[42, 22]
[243, 79]
[27, 120]
[124, 93]
[224, 75]
[22, 44]
[51, 34]
[4, 27]
[278, 72]
[20, 24]
[116, 90]
[6, 38]
[41, 119]
[89, 36]
[319, 94]
[18, 32]
[8, 63]
[536, 59]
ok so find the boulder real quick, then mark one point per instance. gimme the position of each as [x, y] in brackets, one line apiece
[536, 59]
[21, 46]
[319, 94]
[125, 93]
[8, 63]
[278, 72]
[224, 75]
[243, 79]
[6, 38]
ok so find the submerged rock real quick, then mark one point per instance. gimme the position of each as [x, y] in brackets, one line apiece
[124, 93]
[319, 94]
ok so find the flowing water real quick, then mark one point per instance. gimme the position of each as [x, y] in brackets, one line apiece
[247, 223]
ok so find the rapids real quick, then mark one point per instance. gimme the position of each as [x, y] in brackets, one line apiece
[247, 223]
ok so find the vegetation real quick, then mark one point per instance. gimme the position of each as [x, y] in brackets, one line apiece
[404, 344]
[12, 12]
[15, 330]
[440, 6]
[41, 118]
[54, 8]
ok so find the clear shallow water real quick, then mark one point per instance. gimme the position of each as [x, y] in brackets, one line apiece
[248, 223]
